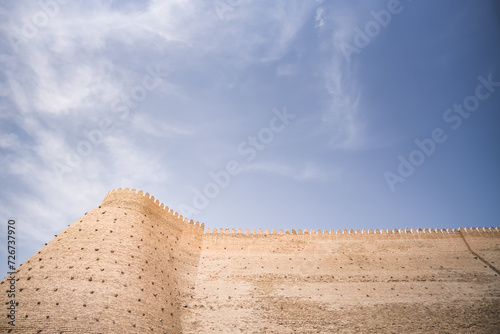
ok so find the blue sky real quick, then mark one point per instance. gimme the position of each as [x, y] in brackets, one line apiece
[308, 112]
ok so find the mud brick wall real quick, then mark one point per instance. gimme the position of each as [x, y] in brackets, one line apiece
[382, 281]
[132, 265]
[124, 267]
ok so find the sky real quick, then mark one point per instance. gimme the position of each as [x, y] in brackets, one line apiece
[251, 114]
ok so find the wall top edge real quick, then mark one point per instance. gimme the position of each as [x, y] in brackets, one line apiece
[155, 203]
[261, 232]
[425, 231]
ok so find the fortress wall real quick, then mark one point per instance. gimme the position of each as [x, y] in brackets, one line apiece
[123, 267]
[133, 265]
[280, 283]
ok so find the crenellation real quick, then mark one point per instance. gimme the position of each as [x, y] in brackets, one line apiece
[138, 266]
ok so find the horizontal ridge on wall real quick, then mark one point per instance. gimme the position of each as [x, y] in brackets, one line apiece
[161, 206]
[325, 232]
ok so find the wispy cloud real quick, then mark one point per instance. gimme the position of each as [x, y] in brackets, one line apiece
[62, 81]
[153, 126]
[341, 119]
[320, 21]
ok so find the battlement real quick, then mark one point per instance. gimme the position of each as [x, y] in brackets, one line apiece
[425, 231]
[138, 199]
[133, 265]
[146, 203]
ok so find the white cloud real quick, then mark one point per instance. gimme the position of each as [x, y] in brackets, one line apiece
[342, 119]
[63, 78]
[160, 127]
[320, 21]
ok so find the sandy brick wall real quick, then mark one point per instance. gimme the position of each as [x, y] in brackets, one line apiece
[124, 267]
[133, 265]
[311, 283]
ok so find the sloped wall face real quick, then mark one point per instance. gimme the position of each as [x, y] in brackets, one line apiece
[345, 283]
[122, 268]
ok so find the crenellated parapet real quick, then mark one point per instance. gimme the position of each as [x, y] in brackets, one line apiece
[147, 203]
[133, 265]
[144, 201]
[329, 233]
